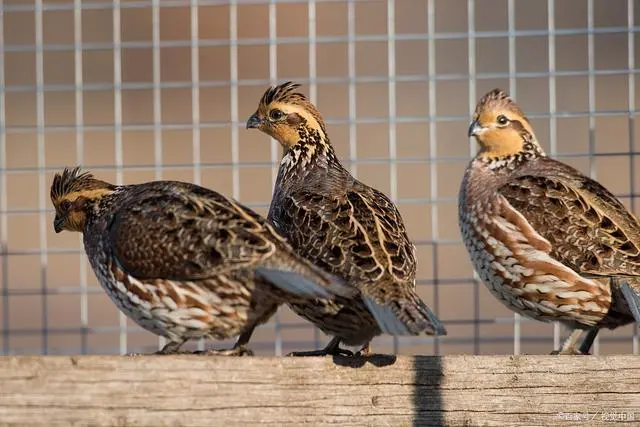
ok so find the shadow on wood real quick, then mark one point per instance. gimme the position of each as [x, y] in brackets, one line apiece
[427, 397]
[402, 391]
[378, 360]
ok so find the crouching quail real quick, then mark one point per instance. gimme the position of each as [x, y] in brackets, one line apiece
[183, 261]
[549, 242]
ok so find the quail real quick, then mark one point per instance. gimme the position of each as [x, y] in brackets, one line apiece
[548, 242]
[184, 261]
[344, 226]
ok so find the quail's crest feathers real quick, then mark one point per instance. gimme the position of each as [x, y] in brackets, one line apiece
[68, 181]
[498, 100]
[74, 181]
[286, 97]
[285, 92]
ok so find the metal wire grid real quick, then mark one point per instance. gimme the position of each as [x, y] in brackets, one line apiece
[352, 79]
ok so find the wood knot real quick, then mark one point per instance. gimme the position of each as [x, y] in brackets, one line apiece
[376, 400]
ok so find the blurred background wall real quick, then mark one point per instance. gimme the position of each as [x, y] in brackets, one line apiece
[143, 90]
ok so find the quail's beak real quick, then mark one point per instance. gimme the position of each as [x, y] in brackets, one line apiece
[58, 223]
[254, 121]
[474, 128]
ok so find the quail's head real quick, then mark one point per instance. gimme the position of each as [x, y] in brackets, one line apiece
[72, 193]
[499, 126]
[283, 113]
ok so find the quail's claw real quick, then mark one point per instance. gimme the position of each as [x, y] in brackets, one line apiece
[570, 345]
[365, 351]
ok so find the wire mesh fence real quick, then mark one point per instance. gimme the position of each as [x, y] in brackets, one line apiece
[143, 90]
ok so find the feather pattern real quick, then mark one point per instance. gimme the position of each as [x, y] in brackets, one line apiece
[344, 226]
[183, 261]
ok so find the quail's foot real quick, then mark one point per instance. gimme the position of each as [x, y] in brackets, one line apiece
[365, 351]
[332, 349]
[570, 345]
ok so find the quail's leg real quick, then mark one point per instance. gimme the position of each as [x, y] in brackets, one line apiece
[239, 349]
[570, 345]
[172, 347]
[585, 347]
[332, 349]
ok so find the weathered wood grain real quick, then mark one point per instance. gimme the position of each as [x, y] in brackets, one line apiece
[407, 391]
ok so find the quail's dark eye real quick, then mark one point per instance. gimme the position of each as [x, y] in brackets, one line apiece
[276, 114]
[65, 205]
[502, 120]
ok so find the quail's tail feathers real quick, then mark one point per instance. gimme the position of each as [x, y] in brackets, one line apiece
[430, 323]
[633, 300]
[386, 318]
[307, 285]
[406, 317]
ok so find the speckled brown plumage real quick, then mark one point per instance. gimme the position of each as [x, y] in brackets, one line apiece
[341, 224]
[183, 261]
[549, 242]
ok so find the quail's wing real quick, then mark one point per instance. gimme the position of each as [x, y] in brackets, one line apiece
[181, 235]
[398, 253]
[350, 234]
[588, 228]
[527, 263]
[359, 235]
[385, 220]
[186, 232]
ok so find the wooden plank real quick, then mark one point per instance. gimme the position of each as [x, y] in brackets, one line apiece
[384, 391]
